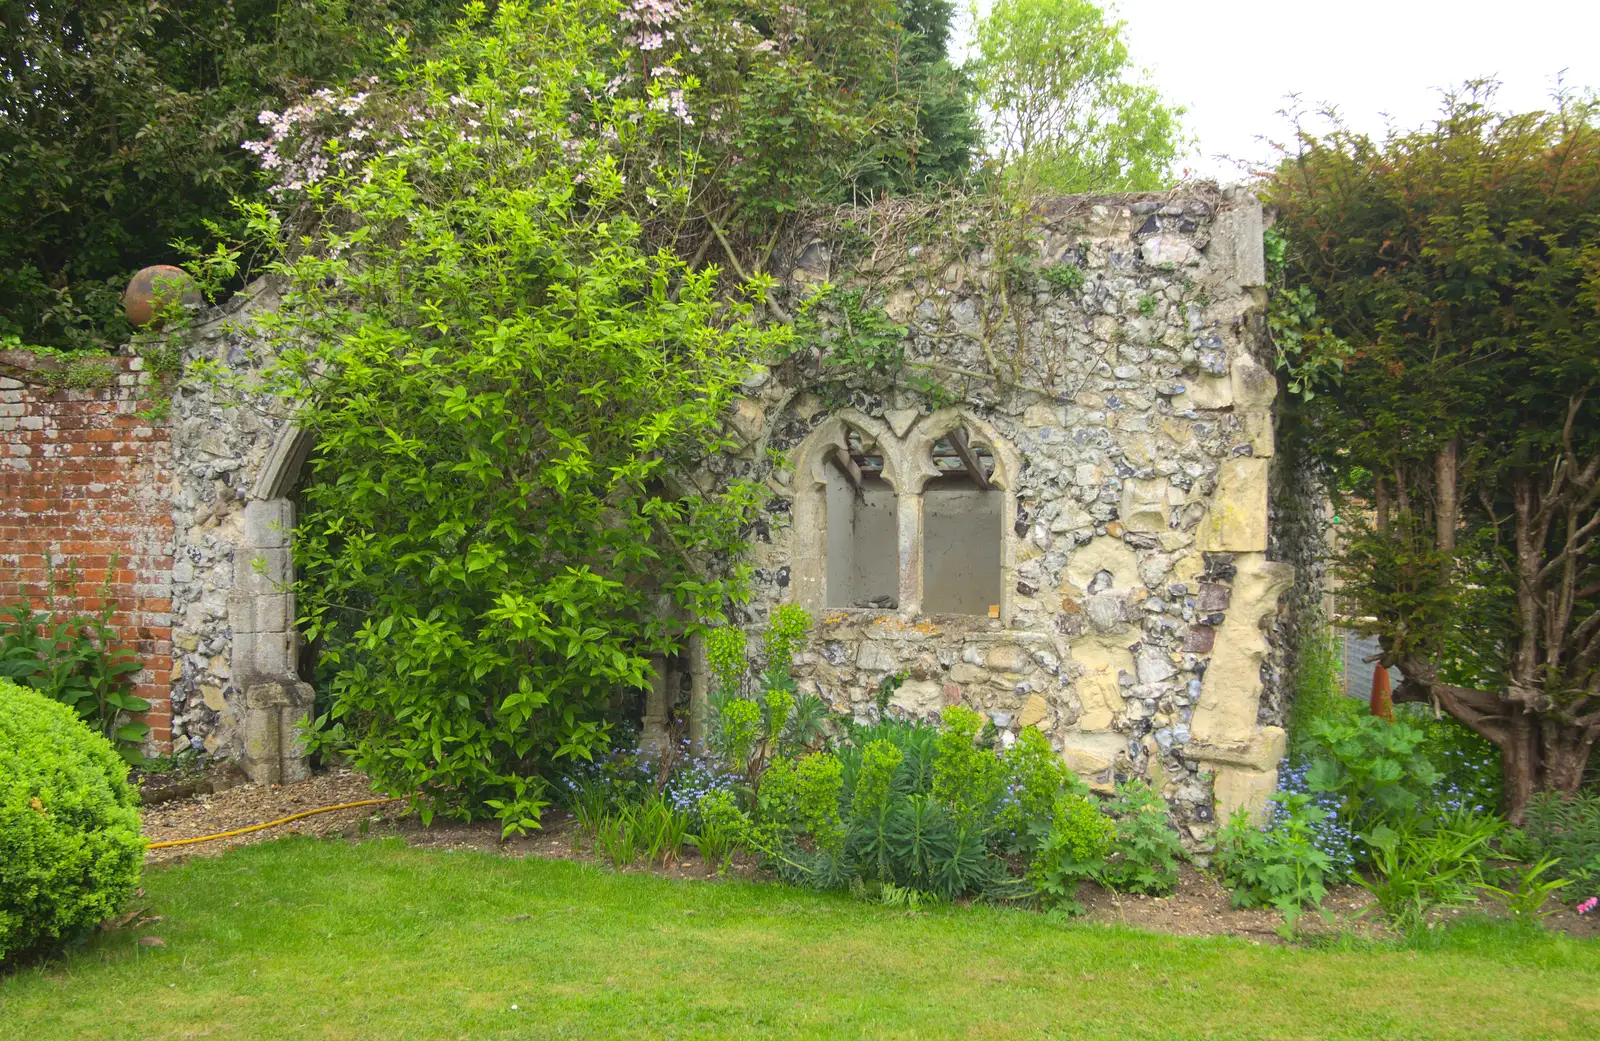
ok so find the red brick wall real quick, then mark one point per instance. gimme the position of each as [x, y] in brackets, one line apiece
[83, 479]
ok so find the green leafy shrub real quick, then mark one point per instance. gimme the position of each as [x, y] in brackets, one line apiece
[1280, 866]
[1036, 775]
[501, 372]
[1567, 830]
[724, 830]
[871, 808]
[74, 660]
[1145, 852]
[1378, 769]
[1074, 851]
[726, 657]
[1420, 865]
[1063, 278]
[70, 847]
[1528, 890]
[818, 784]
[786, 633]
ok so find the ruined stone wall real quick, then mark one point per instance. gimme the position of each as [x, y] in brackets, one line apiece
[1100, 353]
[1131, 425]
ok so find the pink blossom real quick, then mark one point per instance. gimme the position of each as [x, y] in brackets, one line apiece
[1589, 905]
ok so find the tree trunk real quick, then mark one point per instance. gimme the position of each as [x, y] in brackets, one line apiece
[1541, 754]
[1519, 762]
[1447, 510]
[1566, 756]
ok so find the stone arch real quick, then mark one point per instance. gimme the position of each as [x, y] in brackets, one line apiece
[261, 612]
[907, 447]
[921, 440]
[809, 561]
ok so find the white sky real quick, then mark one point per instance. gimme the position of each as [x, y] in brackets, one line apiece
[1231, 64]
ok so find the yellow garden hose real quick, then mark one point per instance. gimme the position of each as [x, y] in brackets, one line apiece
[273, 824]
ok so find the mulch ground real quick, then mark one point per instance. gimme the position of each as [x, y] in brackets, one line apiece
[1198, 907]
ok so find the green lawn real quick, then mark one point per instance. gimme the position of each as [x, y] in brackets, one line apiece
[325, 939]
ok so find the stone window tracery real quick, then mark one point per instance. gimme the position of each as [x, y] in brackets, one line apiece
[906, 512]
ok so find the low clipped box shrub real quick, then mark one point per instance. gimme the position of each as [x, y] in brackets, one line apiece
[70, 847]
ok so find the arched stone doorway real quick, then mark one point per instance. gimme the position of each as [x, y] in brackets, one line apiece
[261, 612]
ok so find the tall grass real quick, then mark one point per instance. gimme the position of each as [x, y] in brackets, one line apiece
[1318, 686]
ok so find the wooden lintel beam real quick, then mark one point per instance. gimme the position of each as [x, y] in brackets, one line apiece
[958, 441]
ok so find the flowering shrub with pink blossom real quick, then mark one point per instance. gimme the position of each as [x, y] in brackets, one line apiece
[502, 375]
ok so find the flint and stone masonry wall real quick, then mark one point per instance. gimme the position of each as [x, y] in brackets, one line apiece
[1131, 423]
[1126, 411]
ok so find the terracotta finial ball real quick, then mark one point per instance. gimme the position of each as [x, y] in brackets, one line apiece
[152, 289]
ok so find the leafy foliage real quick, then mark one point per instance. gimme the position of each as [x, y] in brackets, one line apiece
[1531, 889]
[1438, 316]
[966, 779]
[1282, 866]
[1067, 111]
[1567, 830]
[1036, 775]
[1145, 852]
[723, 830]
[1377, 768]
[75, 660]
[120, 131]
[70, 847]
[786, 633]
[499, 378]
[1073, 851]
[1421, 865]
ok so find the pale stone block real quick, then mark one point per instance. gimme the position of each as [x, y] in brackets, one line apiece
[1231, 691]
[1265, 749]
[262, 572]
[919, 697]
[875, 657]
[1144, 504]
[1254, 388]
[1204, 392]
[900, 420]
[748, 419]
[1105, 553]
[1237, 788]
[1236, 521]
[1099, 693]
[1007, 658]
[1258, 428]
[1043, 416]
[963, 672]
[1235, 251]
[1034, 712]
[271, 732]
[268, 523]
[1093, 757]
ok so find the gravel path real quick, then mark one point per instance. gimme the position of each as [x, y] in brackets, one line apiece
[248, 804]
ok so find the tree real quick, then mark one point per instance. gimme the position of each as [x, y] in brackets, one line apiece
[507, 383]
[793, 106]
[1065, 111]
[1446, 283]
[120, 127]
